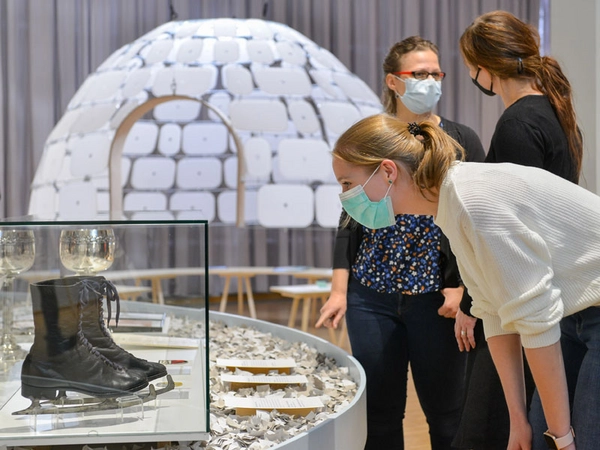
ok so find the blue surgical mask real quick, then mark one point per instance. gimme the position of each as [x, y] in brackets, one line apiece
[421, 96]
[372, 215]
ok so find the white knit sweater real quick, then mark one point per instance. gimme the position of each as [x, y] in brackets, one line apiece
[527, 244]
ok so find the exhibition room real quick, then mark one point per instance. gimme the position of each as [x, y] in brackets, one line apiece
[189, 259]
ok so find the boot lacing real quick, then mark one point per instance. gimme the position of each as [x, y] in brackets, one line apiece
[112, 295]
[89, 290]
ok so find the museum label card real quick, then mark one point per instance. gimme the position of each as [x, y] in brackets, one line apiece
[243, 381]
[258, 365]
[293, 406]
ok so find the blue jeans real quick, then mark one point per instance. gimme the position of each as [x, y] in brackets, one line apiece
[387, 331]
[580, 342]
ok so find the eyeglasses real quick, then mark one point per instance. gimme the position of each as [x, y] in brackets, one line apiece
[423, 75]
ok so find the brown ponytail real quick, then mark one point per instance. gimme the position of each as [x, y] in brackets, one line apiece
[552, 82]
[509, 48]
[426, 152]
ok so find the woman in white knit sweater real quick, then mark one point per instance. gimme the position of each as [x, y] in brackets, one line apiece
[528, 247]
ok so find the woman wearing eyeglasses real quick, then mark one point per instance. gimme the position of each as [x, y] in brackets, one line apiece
[538, 128]
[397, 282]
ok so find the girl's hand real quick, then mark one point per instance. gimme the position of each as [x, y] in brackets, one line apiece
[463, 330]
[332, 311]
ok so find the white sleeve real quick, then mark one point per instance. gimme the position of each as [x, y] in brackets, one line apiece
[516, 293]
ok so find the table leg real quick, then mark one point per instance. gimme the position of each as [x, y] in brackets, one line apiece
[223, 305]
[305, 314]
[157, 289]
[251, 306]
[240, 295]
[293, 312]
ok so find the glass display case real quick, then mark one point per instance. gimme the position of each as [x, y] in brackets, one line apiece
[82, 358]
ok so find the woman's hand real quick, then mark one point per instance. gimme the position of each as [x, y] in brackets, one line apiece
[332, 311]
[520, 436]
[452, 298]
[463, 330]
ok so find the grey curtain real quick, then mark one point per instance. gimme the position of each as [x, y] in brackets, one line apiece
[48, 47]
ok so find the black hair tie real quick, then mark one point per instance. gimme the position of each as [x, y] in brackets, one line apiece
[414, 129]
[519, 65]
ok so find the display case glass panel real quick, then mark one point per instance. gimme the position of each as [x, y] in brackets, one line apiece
[69, 374]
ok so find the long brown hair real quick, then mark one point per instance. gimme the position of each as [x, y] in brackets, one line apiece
[391, 64]
[426, 153]
[510, 48]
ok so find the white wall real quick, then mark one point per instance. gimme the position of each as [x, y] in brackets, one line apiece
[575, 43]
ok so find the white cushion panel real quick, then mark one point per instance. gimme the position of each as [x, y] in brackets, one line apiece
[51, 163]
[304, 159]
[144, 201]
[260, 51]
[354, 87]
[226, 51]
[227, 207]
[89, 154]
[105, 85]
[220, 101]
[204, 139]
[141, 139]
[258, 29]
[338, 117]
[257, 154]
[291, 53]
[93, 118]
[304, 117]
[237, 79]
[153, 173]
[195, 81]
[328, 207]
[136, 81]
[190, 50]
[199, 173]
[77, 200]
[169, 140]
[225, 28]
[258, 115]
[283, 81]
[201, 204]
[157, 51]
[177, 111]
[283, 206]
[43, 201]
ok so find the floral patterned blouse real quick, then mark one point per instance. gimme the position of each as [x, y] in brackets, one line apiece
[403, 258]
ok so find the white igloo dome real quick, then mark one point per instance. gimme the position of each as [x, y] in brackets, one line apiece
[158, 128]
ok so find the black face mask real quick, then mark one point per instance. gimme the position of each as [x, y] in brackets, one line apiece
[481, 88]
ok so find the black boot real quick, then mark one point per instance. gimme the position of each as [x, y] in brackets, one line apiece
[93, 289]
[61, 357]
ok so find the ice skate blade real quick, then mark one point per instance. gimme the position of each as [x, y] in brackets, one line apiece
[92, 404]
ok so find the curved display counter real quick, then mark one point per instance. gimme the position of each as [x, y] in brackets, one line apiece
[346, 430]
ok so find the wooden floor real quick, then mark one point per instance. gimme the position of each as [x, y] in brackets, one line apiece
[277, 310]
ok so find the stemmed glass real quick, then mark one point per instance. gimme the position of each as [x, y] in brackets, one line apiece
[87, 251]
[17, 254]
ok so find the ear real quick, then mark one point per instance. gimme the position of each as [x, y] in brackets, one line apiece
[390, 81]
[389, 170]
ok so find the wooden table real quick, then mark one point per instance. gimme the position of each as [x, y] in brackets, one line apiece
[244, 275]
[155, 276]
[304, 293]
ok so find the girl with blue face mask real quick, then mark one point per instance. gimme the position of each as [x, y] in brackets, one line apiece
[395, 279]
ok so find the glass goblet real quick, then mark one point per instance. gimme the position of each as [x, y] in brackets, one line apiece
[87, 251]
[17, 255]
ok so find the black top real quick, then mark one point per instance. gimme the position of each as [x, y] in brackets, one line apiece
[528, 133]
[348, 239]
